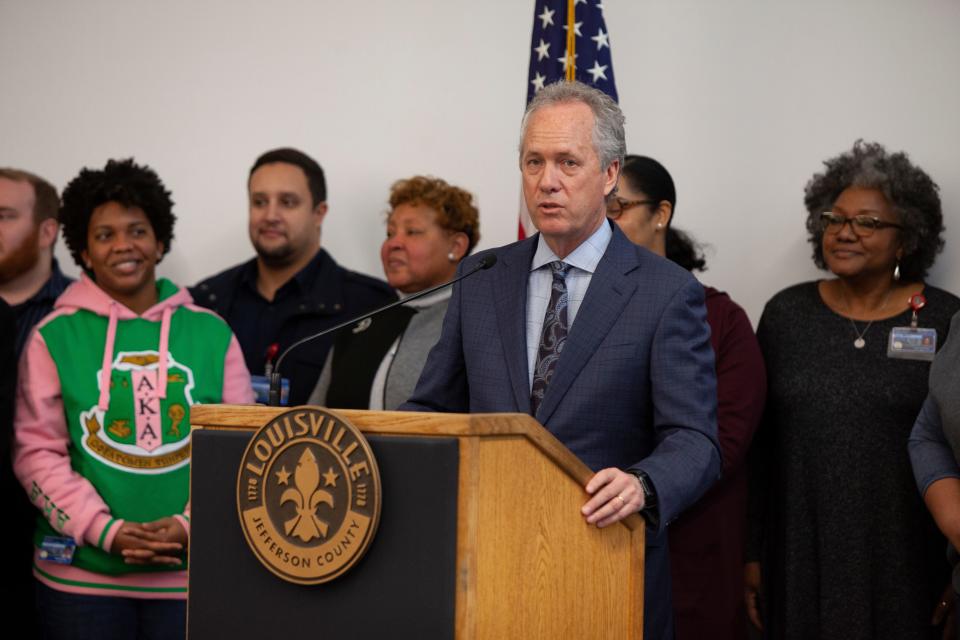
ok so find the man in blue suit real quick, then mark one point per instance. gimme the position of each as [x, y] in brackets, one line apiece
[603, 342]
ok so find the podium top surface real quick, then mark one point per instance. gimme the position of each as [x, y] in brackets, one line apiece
[409, 423]
[227, 416]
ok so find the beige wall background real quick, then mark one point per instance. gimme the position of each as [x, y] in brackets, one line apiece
[740, 99]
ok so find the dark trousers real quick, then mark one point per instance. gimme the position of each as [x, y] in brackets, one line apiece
[70, 616]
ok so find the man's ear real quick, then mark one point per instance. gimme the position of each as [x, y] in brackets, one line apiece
[320, 212]
[611, 174]
[47, 232]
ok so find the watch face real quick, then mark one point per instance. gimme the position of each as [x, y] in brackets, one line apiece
[649, 497]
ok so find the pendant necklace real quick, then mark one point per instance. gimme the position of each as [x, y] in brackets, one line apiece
[860, 343]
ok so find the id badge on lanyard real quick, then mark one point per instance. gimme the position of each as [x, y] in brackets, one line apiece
[57, 549]
[913, 342]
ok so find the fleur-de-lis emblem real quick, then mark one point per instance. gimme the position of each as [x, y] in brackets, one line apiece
[307, 495]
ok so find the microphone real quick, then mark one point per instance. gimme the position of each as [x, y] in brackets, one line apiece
[273, 399]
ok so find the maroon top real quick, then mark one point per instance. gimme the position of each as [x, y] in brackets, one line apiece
[706, 542]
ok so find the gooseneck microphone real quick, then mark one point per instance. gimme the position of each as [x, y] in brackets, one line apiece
[273, 399]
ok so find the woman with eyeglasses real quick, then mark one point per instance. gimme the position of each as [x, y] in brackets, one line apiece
[840, 543]
[706, 542]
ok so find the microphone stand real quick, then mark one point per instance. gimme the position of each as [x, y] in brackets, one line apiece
[273, 398]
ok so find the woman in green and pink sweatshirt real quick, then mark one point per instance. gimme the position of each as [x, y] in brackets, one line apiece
[102, 442]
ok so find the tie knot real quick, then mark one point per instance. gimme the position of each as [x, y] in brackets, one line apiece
[559, 269]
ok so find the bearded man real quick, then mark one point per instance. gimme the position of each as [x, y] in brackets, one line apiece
[30, 279]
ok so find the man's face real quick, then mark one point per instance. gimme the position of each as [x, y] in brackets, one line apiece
[19, 234]
[284, 223]
[564, 185]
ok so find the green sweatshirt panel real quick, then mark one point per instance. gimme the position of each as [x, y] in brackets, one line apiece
[139, 485]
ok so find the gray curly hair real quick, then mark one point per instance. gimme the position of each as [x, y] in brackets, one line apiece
[913, 195]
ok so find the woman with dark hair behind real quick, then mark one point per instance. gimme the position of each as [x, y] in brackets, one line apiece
[102, 427]
[706, 542]
[840, 543]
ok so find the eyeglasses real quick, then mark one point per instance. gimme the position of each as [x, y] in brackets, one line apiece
[862, 225]
[616, 206]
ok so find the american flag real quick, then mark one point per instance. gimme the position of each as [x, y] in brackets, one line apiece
[570, 41]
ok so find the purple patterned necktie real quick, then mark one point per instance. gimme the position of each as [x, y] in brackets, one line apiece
[553, 337]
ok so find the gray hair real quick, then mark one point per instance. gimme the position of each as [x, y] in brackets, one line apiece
[609, 139]
[912, 193]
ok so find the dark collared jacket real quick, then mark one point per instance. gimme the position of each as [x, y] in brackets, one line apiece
[32, 311]
[321, 295]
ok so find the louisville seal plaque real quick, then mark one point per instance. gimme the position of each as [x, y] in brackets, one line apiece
[308, 495]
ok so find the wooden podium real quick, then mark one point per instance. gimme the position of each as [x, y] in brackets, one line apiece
[480, 538]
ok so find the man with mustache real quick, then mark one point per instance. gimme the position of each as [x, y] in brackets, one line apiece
[293, 288]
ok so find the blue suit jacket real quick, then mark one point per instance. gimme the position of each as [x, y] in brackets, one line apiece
[635, 387]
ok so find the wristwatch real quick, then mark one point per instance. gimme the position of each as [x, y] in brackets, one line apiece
[649, 512]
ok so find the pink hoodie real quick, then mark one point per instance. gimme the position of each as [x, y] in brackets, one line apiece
[42, 442]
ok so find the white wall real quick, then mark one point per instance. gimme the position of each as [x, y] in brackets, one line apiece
[741, 100]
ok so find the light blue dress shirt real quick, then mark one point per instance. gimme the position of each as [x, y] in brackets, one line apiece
[583, 260]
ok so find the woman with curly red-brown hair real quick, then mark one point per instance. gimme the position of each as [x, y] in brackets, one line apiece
[431, 227]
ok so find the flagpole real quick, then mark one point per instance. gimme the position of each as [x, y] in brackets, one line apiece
[571, 40]
[550, 63]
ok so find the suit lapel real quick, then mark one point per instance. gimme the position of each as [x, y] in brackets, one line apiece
[609, 291]
[510, 302]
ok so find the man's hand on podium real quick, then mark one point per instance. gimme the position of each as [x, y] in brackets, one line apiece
[616, 494]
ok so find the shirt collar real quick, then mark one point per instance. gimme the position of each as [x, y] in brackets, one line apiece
[248, 275]
[305, 276]
[301, 280]
[586, 257]
[53, 287]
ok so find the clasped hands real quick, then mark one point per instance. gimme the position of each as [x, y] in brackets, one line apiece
[159, 542]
